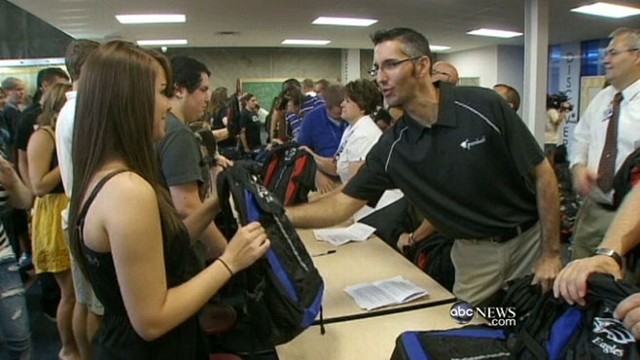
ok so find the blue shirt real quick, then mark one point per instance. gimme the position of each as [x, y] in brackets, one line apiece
[320, 133]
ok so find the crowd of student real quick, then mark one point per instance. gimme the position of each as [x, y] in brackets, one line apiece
[124, 205]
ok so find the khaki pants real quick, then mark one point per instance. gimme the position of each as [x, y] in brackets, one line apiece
[483, 267]
[592, 223]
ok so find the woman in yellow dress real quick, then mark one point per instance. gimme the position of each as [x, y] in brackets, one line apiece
[50, 250]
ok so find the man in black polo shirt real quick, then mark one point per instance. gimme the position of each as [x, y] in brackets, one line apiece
[468, 163]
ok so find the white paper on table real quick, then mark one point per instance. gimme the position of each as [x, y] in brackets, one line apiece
[396, 290]
[340, 236]
[387, 198]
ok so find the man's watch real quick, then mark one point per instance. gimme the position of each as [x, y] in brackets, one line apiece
[610, 253]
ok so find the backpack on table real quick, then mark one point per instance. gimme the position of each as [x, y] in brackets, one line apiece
[545, 328]
[289, 173]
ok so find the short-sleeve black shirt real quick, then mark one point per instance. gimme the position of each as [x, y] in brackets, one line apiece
[26, 125]
[469, 173]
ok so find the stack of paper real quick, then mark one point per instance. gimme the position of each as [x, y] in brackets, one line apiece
[339, 236]
[381, 293]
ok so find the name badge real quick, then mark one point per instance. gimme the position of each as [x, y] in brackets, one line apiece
[607, 113]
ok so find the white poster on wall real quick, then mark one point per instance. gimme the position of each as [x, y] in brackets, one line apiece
[570, 85]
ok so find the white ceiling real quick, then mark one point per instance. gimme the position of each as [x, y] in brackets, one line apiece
[265, 23]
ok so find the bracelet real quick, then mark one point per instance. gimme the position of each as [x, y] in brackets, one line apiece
[225, 265]
[411, 239]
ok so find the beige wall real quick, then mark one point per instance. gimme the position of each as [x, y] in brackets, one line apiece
[229, 64]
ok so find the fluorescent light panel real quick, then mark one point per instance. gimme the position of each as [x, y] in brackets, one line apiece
[305, 42]
[343, 21]
[31, 62]
[151, 18]
[162, 42]
[439, 47]
[494, 33]
[607, 10]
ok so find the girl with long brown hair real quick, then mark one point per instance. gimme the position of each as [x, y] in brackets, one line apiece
[129, 238]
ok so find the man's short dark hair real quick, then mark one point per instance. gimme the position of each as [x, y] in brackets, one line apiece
[333, 95]
[49, 75]
[364, 93]
[323, 83]
[187, 72]
[307, 83]
[512, 95]
[412, 42]
[77, 52]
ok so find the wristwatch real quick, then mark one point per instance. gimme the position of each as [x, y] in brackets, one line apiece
[610, 253]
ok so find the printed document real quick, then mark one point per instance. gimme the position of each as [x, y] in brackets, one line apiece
[381, 293]
[340, 236]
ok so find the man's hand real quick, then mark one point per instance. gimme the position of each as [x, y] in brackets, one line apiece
[404, 241]
[629, 312]
[571, 283]
[583, 179]
[223, 161]
[7, 174]
[324, 183]
[546, 269]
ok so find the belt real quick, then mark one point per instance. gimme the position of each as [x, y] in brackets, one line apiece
[512, 233]
[607, 207]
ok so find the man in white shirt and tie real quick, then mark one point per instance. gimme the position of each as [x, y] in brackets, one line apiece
[599, 149]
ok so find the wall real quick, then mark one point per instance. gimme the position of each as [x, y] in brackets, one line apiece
[229, 64]
[510, 67]
[476, 63]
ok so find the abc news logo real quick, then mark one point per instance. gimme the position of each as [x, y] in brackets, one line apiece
[462, 312]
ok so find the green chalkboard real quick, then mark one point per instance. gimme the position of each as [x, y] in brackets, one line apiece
[264, 90]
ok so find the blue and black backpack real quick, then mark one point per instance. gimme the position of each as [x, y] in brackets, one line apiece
[546, 328]
[281, 294]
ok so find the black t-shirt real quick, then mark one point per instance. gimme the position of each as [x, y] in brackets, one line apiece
[26, 125]
[249, 121]
[469, 173]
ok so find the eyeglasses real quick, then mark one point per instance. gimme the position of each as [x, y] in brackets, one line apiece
[614, 52]
[389, 65]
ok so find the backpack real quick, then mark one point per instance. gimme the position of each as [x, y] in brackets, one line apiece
[207, 142]
[468, 342]
[289, 173]
[627, 176]
[545, 328]
[433, 256]
[281, 294]
[551, 328]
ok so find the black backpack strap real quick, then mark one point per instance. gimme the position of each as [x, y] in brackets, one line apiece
[94, 193]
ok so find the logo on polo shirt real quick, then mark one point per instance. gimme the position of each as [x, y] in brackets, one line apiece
[469, 143]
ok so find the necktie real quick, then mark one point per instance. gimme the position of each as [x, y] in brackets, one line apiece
[607, 166]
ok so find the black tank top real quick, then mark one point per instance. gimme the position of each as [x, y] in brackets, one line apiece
[116, 338]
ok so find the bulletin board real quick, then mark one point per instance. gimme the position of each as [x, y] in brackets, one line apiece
[589, 87]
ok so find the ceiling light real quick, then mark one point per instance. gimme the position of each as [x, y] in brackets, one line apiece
[32, 62]
[151, 18]
[439, 47]
[494, 33]
[305, 42]
[344, 21]
[162, 42]
[607, 10]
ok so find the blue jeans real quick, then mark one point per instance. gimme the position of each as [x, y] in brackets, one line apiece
[14, 318]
